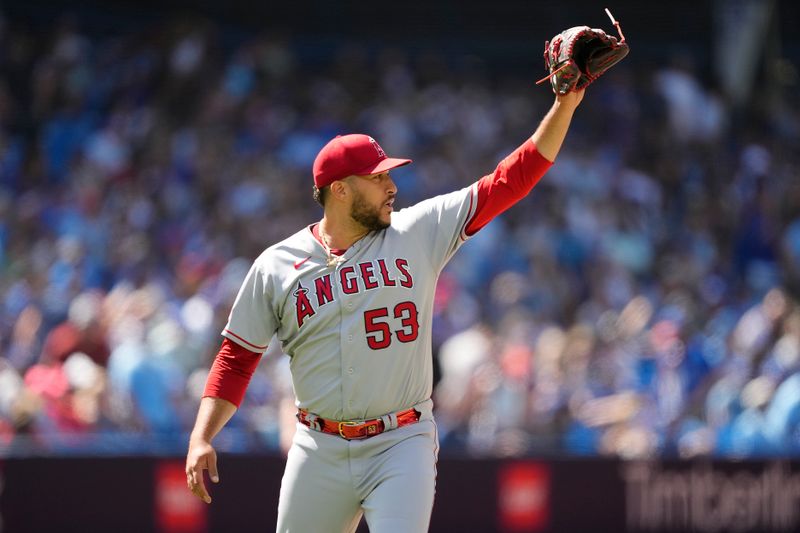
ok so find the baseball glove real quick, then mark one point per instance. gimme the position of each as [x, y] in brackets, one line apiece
[578, 56]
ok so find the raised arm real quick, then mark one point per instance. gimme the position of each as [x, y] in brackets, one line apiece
[518, 173]
[550, 134]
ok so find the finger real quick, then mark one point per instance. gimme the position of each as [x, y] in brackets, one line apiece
[190, 479]
[212, 468]
[191, 474]
[200, 491]
[194, 480]
[203, 494]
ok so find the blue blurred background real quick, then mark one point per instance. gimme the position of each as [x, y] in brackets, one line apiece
[643, 301]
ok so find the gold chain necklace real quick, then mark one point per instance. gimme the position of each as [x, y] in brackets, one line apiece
[333, 260]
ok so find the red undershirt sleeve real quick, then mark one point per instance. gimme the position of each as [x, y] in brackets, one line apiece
[231, 372]
[511, 181]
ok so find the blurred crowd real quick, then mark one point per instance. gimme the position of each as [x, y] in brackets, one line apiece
[643, 300]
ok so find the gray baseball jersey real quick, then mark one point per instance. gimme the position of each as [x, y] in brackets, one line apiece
[359, 337]
[358, 333]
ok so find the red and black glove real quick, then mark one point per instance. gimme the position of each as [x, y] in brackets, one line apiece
[579, 55]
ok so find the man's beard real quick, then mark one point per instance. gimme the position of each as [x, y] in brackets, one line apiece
[366, 215]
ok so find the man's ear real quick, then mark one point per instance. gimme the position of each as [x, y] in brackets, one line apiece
[339, 189]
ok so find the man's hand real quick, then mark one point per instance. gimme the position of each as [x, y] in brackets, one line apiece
[572, 98]
[211, 416]
[201, 456]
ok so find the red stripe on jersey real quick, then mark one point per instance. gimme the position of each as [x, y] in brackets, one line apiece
[231, 372]
[511, 181]
[463, 233]
[246, 344]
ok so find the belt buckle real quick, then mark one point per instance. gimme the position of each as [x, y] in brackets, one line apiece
[342, 424]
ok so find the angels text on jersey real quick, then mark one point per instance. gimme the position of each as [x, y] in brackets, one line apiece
[352, 279]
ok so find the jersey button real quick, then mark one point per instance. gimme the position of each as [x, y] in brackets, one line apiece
[349, 305]
[349, 338]
[350, 370]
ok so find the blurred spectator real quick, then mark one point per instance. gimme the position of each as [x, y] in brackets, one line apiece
[643, 300]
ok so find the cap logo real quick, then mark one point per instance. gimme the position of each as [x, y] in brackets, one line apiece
[378, 148]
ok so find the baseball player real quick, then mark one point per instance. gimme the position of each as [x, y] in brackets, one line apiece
[350, 298]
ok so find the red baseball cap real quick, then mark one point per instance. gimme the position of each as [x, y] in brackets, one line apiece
[351, 155]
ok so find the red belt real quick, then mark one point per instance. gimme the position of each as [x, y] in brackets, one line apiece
[356, 430]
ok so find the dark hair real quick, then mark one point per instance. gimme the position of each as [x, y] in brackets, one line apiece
[320, 195]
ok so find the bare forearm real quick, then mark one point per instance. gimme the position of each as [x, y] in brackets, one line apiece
[212, 416]
[550, 134]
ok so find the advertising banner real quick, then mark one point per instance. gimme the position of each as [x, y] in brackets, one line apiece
[472, 496]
